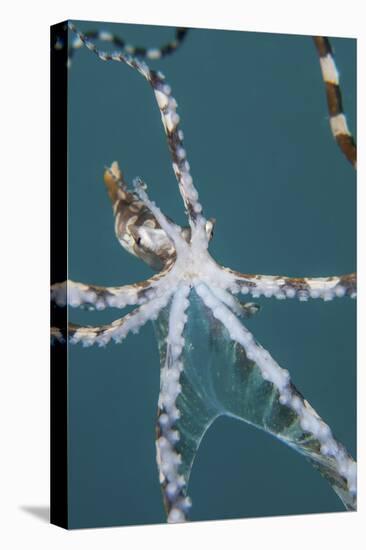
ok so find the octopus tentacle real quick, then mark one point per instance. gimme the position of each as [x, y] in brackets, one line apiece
[337, 118]
[167, 106]
[77, 294]
[117, 330]
[303, 288]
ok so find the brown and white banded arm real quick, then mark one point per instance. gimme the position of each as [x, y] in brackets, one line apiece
[170, 118]
[303, 288]
[173, 483]
[100, 297]
[117, 330]
[137, 51]
[337, 118]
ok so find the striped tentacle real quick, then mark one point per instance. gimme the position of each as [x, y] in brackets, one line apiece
[137, 51]
[343, 463]
[337, 119]
[168, 459]
[99, 297]
[167, 106]
[119, 329]
[303, 288]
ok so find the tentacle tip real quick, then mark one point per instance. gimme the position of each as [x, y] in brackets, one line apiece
[176, 516]
[139, 184]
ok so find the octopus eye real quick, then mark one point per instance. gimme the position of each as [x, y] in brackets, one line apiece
[138, 241]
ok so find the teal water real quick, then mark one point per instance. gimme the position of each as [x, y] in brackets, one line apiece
[253, 112]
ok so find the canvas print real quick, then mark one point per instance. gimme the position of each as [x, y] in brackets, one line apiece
[203, 283]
